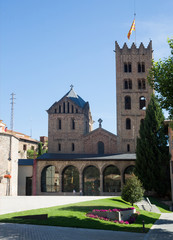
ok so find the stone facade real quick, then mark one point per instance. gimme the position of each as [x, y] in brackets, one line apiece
[133, 92]
[70, 128]
[8, 164]
[81, 163]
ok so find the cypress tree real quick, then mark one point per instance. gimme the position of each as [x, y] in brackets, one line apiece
[152, 154]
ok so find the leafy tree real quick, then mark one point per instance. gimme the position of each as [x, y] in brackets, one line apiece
[161, 79]
[152, 153]
[31, 154]
[132, 191]
[40, 149]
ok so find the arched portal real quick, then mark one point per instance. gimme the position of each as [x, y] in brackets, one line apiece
[49, 179]
[128, 172]
[91, 181]
[70, 179]
[111, 179]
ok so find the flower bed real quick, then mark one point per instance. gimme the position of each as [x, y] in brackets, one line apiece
[124, 215]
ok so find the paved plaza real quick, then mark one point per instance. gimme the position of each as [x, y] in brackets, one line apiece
[161, 230]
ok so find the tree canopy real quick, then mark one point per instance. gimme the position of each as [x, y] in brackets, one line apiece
[132, 191]
[161, 79]
[152, 152]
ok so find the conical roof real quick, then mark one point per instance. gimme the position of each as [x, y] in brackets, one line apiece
[75, 98]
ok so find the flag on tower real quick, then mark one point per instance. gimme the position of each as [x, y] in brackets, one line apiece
[131, 29]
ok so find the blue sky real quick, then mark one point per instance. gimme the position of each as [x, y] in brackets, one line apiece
[47, 45]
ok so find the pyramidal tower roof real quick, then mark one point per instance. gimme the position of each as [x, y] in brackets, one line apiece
[75, 98]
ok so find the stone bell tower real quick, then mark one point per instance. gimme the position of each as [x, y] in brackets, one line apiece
[133, 92]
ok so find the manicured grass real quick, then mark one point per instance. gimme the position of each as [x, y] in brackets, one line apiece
[74, 215]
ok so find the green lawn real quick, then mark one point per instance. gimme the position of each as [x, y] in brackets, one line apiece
[74, 215]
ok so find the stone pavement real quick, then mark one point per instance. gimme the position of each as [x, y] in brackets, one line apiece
[9, 231]
[161, 230]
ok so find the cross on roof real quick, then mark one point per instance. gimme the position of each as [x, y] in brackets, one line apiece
[100, 122]
[71, 86]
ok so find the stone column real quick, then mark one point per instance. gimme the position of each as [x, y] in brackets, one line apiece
[80, 182]
[122, 179]
[101, 184]
[60, 183]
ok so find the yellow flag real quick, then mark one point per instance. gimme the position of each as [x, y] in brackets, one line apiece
[131, 29]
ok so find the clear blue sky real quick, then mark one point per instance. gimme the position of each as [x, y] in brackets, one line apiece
[47, 45]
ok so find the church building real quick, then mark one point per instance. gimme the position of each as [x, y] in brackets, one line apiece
[81, 160]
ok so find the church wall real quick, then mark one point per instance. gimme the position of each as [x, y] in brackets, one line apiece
[8, 150]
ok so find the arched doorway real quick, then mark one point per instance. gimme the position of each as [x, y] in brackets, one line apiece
[70, 179]
[91, 181]
[111, 179]
[128, 172]
[49, 179]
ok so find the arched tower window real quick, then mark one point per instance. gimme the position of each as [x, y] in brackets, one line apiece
[127, 102]
[68, 107]
[127, 67]
[128, 123]
[128, 147]
[59, 108]
[141, 84]
[72, 147]
[142, 103]
[63, 107]
[59, 123]
[100, 147]
[127, 84]
[72, 123]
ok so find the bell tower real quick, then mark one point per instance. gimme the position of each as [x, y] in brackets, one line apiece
[133, 92]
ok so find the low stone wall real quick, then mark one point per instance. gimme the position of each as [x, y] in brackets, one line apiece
[118, 214]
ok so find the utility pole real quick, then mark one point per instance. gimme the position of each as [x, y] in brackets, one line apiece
[12, 111]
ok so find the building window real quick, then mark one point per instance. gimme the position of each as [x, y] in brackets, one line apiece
[32, 148]
[76, 110]
[100, 147]
[73, 123]
[127, 84]
[68, 107]
[141, 84]
[55, 110]
[72, 109]
[59, 124]
[24, 147]
[127, 67]
[72, 147]
[127, 102]
[128, 147]
[141, 67]
[59, 108]
[63, 107]
[142, 103]
[128, 123]
[59, 147]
